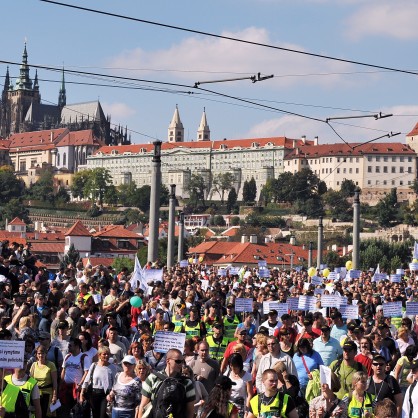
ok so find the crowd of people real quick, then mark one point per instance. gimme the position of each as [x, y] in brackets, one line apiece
[90, 352]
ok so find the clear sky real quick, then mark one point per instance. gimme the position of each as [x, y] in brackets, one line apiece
[379, 32]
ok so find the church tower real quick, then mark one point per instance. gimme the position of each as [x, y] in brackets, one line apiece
[175, 129]
[62, 97]
[203, 132]
[21, 96]
[5, 108]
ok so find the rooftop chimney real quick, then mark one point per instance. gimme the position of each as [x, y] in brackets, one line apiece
[253, 239]
[316, 140]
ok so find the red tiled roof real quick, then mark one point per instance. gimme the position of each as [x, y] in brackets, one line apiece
[47, 247]
[78, 230]
[16, 221]
[231, 232]
[414, 131]
[12, 237]
[85, 137]
[36, 139]
[116, 231]
[229, 143]
[95, 261]
[336, 150]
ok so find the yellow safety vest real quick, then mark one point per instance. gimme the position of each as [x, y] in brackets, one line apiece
[179, 323]
[192, 331]
[217, 351]
[26, 389]
[9, 397]
[357, 409]
[230, 327]
[267, 411]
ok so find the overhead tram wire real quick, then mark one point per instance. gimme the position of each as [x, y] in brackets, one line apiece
[230, 38]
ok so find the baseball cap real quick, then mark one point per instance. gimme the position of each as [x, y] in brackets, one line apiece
[325, 328]
[272, 312]
[224, 382]
[382, 325]
[230, 305]
[351, 326]
[159, 311]
[307, 321]
[379, 357]
[63, 325]
[285, 317]
[129, 359]
[350, 345]
[217, 325]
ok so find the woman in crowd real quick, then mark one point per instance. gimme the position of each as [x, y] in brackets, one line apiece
[404, 339]
[125, 395]
[135, 350]
[100, 378]
[87, 346]
[285, 345]
[327, 404]
[242, 391]
[360, 403]
[200, 390]
[306, 359]
[146, 344]
[218, 405]
[403, 367]
[247, 325]
[260, 342]
[28, 326]
[45, 373]
[142, 370]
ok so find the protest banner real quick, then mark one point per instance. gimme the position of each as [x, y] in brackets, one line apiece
[97, 297]
[205, 284]
[183, 263]
[293, 303]
[377, 277]
[332, 276]
[281, 308]
[391, 309]
[234, 271]
[330, 301]
[413, 266]
[319, 291]
[395, 278]
[243, 305]
[262, 263]
[153, 275]
[165, 341]
[12, 354]
[355, 274]
[349, 311]
[412, 308]
[222, 272]
[307, 303]
[316, 280]
[264, 273]
[400, 271]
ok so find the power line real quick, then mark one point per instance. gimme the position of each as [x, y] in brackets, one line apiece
[230, 38]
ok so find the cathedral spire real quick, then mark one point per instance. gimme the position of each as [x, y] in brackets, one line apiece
[24, 82]
[175, 129]
[203, 132]
[62, 97]
[6, 80]
[35, 82]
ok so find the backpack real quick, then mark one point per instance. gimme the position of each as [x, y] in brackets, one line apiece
[357, 366]
[302, 406]
[170, 397]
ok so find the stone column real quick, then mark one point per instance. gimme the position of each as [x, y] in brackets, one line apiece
[310, 248]
[171, 226]
[356, 230]
[154, 212]
[180, 254]
[319, 251]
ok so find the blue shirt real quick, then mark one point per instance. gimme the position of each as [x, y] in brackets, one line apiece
[338, 332]
[329, 350]
[312, 361]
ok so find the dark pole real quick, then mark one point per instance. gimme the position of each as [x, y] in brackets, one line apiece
[356, 229]
[154, 210]
[310, 254]
[319, 250]
[181, 237]
[171, 226]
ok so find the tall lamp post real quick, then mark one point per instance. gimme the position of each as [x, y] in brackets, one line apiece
[154, 212]
[356, 229]
[320, 236]
[171, 226]
[180, 253]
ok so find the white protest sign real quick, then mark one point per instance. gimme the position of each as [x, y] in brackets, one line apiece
[165, 341]
[330, 301]
[234, 271]
[400, 271]
[332, 276]
[391, 309]
[184, 263]
[349, 311]
[205, 284]
[222, 272]
[413, 266]
[354, 274]
[12, 354]
[306, 286]
[243, 305]
[377, 277]
[293, 303]
[264, 273]
[395, 278]
[281, 308]
[412, 308]
[153, 275]
[262, 263]
[343, 301]
[325, 375]
[319, 291]
[316, 280]
[307, 303]
[97, 297]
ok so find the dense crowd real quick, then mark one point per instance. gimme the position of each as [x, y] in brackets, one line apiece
[89, 349]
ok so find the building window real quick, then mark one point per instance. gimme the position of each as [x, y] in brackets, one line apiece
[401, 169]
[385, 169]
[393, 170]
[385, 158]
[393, 159]
[409, 159]
[23, 165]
[400, 183]
[369, 169]
[393, 182]
[377, 169]
[409, 169]
[64, 159]
[357, 170]
[369, 182]
[369, 158]
[384, 182]
[378, 159]
[350, 170]
[344, 170]
[338, 170]
[401, 159]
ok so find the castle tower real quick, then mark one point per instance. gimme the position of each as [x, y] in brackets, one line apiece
[203, 132]
[62, 97]
[175, 129]
[5, 108]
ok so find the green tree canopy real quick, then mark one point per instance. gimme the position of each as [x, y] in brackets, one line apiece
[92, 184]
[249, 191]
[222, 183]
[196, 189]
[232, 200]
[387, 209]
[10, 186]
[43, 189]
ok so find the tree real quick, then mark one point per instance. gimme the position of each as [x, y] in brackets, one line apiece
[12, 209]
[197, 188]
[219, 220]
[43, 189]
[10, 186]
[98, 181]
[62, 196]
[338, 206]
[72, 257]
[232, 200]
[387, 209]
[126, 193]
[79, 182]
[249, 191]
[222, 183]
[120, 263]
[348, 187]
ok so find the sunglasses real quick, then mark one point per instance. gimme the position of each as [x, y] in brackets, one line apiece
[177, 361]
[379, 364]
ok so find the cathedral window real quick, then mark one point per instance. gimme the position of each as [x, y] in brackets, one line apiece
[64, 159]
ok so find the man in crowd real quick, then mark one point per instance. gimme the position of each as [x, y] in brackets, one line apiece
[204, 368]
[328, 347]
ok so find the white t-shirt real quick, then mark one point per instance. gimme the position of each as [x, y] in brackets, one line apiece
[91, 353]
[72, 366]
[239, 390]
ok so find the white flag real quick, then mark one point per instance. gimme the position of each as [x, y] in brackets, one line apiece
[415, 254]
[137, 278]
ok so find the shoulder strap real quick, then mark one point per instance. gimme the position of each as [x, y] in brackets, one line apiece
[67, 357]
[331, 410]
[304, 363]
[411, 405]
[83, 356]
[338, 366]
[92, 373]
